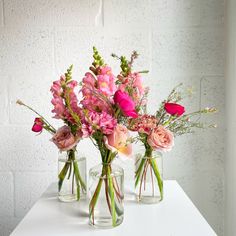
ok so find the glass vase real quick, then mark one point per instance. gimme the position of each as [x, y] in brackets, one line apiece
[71, 176]
[149, 177]
[106, 191]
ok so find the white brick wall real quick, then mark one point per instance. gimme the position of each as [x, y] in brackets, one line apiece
[179, 41]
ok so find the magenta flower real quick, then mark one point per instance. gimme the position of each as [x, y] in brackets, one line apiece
[174, 109]
[125, 103]
[38, 125]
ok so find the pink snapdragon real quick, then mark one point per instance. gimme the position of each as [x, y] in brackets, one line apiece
[93, 97]
[133, 81]
[106, 81]
[60, 89]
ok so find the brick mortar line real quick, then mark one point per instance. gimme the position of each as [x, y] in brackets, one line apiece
[3, 13]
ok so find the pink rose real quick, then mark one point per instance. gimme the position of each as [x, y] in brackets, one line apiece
[125, 103]
[38, 125]
[118, 140]
[64, 139]
[161, 139]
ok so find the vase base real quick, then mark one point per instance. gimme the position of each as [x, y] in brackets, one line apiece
[67, 198]
[148, 199]
[71, 197]
[105, 223]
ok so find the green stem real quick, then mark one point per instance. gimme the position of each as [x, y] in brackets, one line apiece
[158, 176]
[94, 199]
[112, 196]
[139, 171]
[78, 176]
[62, 174]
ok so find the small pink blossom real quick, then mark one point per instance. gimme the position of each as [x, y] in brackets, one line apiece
[143, 124]
[64, 139]
[161, 139]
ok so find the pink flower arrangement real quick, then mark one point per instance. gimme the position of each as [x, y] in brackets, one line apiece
[111, 106]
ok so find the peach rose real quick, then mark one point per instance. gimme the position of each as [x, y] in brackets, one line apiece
[64, 139]
[118, 140]
[161, 139]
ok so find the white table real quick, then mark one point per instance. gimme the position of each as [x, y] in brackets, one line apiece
[174, 216]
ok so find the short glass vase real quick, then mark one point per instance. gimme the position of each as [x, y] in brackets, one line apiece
[71, 176]
[149, 178]
[106, 191]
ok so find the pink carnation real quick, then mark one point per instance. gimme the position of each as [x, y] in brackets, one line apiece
[98, 121]
[143, 124]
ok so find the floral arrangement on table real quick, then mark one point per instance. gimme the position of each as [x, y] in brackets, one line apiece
[67, 137]
[110, 107]
[156, 133]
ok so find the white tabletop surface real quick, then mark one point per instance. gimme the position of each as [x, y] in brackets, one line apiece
[174, 216]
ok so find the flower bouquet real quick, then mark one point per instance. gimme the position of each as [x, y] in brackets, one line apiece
[156, 133]
[111, 106]
[107, 109]
[71, 176]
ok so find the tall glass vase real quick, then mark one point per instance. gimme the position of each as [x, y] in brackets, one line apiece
[149, 177]
[71, 176]
[106, 190]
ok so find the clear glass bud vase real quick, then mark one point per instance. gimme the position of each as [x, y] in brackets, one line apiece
[106, 191]
[71, 176]
[149, 177]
